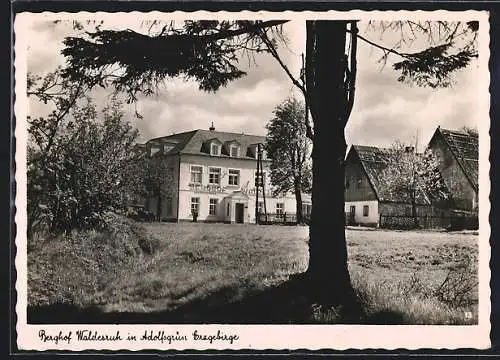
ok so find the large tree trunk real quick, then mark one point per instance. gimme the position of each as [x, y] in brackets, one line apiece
[328, 271]
[298, 200]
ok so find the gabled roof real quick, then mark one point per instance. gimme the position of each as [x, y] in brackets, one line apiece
[212, 140]
[179, 139]
[374, 160]
[232, 142]
[465, 148]
[191, 142]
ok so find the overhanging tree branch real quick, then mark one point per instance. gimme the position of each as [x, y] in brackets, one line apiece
[381, 47]
[309, 80]
[275, 55]
[432, 67]
[255, 28]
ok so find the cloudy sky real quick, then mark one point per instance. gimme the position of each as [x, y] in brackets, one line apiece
[384, 110]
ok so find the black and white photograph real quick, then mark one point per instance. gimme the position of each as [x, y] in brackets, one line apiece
[252, 180]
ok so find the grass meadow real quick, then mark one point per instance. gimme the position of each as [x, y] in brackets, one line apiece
[196, 273]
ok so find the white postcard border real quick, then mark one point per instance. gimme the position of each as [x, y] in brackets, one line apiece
[260, 337]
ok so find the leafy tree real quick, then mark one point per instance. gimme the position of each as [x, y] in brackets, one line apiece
[155, 177]
[288, 147]
[209, 51]
[470, 130]
[77, 159]
[414, 178]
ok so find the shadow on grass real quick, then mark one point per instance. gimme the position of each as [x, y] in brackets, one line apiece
[287, 303]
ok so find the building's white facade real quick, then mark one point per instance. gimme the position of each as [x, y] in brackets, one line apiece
[363, 212]
[215, 178]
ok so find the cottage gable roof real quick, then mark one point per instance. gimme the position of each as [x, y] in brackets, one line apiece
[374, 160]
[465, 149]
[191, 142]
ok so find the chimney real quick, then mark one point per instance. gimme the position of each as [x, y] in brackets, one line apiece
[212, 128]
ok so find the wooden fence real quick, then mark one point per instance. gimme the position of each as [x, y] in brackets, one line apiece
[284, 219]
[451, 222]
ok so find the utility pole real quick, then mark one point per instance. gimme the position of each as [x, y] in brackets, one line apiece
[257, 219]
[262, 182]
[259, 183]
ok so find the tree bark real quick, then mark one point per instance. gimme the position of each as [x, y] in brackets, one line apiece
[298, 199]
[328, 272]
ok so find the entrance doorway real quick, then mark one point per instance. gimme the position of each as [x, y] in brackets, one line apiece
[352, 214]
[239, 213]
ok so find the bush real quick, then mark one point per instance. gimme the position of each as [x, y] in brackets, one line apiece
[122, 226]
[79, 166]
[415, 301]
[459, 287]
[72, 268]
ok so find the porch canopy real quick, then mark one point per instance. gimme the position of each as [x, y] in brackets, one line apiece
[236, 207]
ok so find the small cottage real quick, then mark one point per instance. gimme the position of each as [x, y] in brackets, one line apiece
[367, 196]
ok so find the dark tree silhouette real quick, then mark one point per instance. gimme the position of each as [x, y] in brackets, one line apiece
[155, 178]
[208, 52]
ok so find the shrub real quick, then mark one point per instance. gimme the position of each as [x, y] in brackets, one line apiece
[73, 267]
[121, 226]
[459, 287]
[79, 164]
[415, 301]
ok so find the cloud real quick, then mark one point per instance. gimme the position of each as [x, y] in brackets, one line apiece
[384, 111]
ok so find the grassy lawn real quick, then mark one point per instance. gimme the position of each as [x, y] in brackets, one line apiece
[198, 270]
[429, 277]
[196, 260]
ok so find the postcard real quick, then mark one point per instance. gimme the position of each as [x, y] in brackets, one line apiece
[252, 180]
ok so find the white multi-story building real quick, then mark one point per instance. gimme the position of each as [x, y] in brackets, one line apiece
[213, 174]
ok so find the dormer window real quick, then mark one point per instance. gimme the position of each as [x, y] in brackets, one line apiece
[255, 151]
[252, 151]
[214, 149]
[154, 150]
[234, 151]
[232, 148]
[167, 148]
